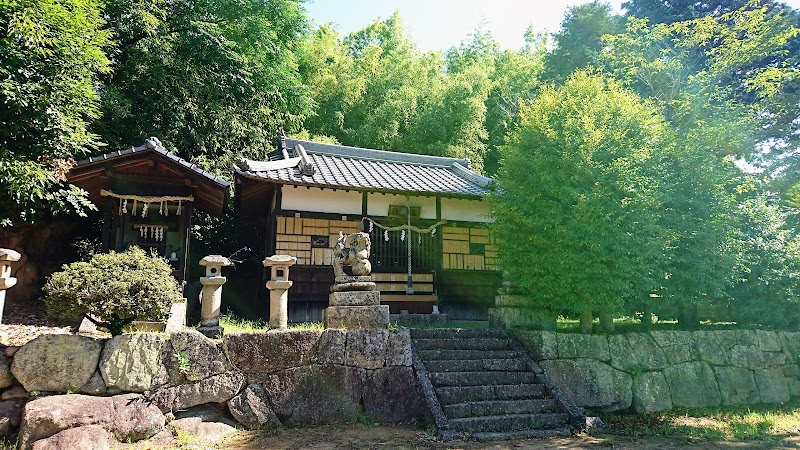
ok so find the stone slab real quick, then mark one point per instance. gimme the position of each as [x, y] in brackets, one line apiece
[354, 298]
[271, 351]
[135, 362]
[56, 362]
[353, 279]
[354, 317]
[651, 393]
[354, 286]
[693, 385]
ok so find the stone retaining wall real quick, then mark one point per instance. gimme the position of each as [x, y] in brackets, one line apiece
[660, 370]
[264, 380]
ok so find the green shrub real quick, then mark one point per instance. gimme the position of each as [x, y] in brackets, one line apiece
[113, 289]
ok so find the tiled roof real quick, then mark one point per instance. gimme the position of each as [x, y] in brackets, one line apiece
[153, 144]
[326, 165]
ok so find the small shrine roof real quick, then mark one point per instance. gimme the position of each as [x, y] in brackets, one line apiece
[153, 144]
[150, 169]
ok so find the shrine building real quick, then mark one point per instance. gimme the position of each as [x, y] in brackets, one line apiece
[425, 215]
[147, 195]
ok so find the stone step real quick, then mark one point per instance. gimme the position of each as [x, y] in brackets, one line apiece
[449, 395]
[438, 355]
[456, 333]
[470, 343]
[476, 365]
[511, 422]
[500, 407]
[480, 378]
[522, 434]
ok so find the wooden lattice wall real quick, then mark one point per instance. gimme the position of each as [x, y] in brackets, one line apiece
[468, 248]
[295, 237]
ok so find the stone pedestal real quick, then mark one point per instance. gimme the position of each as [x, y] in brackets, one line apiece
[278, 286]
[353, 317]
[513, 310]
[211, 295]
[7, 256]
[355, 303]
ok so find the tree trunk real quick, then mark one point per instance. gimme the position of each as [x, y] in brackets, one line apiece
[586, 321]
[606, 322]
[647, 314]
[687, 318]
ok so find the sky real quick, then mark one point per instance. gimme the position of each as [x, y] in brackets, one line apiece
[441, 24]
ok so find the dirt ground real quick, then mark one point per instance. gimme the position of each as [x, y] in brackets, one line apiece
[371, 437]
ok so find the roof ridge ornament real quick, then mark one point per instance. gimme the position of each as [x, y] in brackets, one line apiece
[153, 142]
[306, 165]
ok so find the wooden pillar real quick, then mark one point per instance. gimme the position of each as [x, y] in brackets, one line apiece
[364, 209]
[109, 220]
[186, 226]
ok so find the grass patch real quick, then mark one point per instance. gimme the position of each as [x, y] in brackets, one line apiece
[767, 424]
[307, 326]
[235, 324]
[633, 324]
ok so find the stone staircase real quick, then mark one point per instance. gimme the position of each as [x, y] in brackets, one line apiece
[480, 383]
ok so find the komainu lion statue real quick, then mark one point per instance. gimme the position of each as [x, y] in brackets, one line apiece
[356, 256]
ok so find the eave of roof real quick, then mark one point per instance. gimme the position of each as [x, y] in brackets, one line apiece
[154, 145]
[341, 164]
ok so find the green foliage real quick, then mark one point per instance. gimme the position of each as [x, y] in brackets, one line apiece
[727, 83]
[698, 216]
[184, 365]
[52, 54]
[724, 81]
[660, 11]
[212, 79]
[374, 89]
[768, 265]
[578, 43]
[575, 211]
[114, 289]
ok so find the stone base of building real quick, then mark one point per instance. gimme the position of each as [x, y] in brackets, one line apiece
[353, 317]
[525, 318]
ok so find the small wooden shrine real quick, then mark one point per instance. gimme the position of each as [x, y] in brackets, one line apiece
[147, 195]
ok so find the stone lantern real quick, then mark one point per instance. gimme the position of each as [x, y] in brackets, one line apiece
[278, 286]
[211, 295]
[7, 256]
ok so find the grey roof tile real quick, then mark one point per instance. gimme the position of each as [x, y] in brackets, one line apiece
[154, 144]
[375, 170]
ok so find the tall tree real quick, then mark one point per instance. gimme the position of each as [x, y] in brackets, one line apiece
[709, 76]
[374, 89]
[516, 78]
[578, 42]
[52, 54]
[575, 208]
[212, 79]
